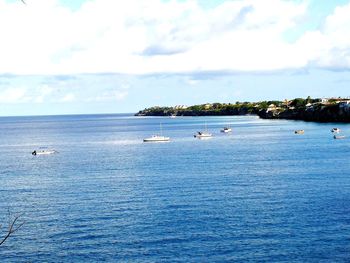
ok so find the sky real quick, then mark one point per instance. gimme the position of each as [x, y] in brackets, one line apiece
[107, 56]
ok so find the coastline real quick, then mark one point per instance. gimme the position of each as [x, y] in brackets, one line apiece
[314, 110]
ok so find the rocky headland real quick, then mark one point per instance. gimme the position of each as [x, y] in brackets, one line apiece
[319, 110]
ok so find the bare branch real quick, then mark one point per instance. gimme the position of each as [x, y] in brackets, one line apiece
[12, 228]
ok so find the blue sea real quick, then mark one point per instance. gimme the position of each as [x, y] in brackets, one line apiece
[259, 194]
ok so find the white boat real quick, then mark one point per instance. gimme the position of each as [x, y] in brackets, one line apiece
[157, 138]
[226, 130]
[43, 152]
[172, 116]
[299, 132]
[335, 130]
[203, 134]
[339, 137]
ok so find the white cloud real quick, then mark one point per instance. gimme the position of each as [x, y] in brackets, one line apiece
[42, 93]
[70, 97]
[191, 82]
[138, 37]
[119, 95]
[115, 95]
[30, 94]
[13, 95]
[331, 44]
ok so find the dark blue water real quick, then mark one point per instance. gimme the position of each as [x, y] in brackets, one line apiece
[258, 194]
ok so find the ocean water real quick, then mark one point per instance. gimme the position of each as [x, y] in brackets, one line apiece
[260, 194]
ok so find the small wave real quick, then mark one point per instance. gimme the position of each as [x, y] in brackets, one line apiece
[118, 142]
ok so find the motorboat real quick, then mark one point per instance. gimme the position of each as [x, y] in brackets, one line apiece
[157, 138]
[226, 130]
[43, 152]
[339, 137]
[299, 132]
[335, 130]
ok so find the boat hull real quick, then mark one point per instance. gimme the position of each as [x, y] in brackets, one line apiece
[48, 152]
[157, 139]
[203, 135]
[226, 130]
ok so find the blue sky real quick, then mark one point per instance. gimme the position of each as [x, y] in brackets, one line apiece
[101, 56]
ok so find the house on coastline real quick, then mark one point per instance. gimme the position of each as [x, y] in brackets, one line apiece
[180, 107]
[271, 107]
[207, 106]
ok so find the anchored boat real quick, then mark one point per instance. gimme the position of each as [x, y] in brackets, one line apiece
[157, 138]
[203, 134]
[226, 130]
[43, 152]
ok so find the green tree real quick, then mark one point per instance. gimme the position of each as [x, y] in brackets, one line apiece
[263, 105]
[308, 99]
[299, 103]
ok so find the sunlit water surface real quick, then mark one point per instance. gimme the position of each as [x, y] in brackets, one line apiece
[261, 193]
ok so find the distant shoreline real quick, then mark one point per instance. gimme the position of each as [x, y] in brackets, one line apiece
[315, 110]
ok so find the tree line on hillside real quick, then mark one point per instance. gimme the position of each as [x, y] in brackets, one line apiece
[236, 108]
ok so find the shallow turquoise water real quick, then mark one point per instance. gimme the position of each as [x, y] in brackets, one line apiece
[258, 194]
